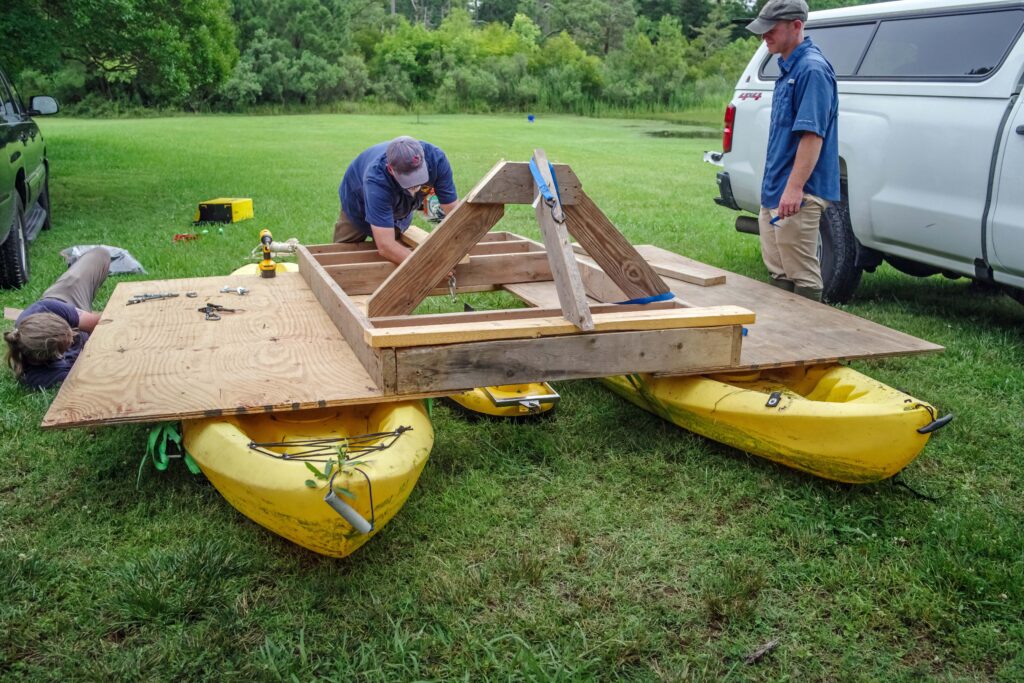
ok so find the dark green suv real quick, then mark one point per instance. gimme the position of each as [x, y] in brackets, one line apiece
[24, 181]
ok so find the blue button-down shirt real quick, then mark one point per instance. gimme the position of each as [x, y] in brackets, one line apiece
[370, 195]
[805, 100]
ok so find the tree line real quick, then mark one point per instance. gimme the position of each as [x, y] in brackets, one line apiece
[475, 56]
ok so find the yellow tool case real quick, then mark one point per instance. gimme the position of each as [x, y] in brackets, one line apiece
[224, 210]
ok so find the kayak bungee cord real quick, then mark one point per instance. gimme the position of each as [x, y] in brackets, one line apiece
[319, 448]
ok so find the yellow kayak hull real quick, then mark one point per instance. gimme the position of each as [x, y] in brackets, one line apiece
[829, 420]
[273, 492]
[509, 400]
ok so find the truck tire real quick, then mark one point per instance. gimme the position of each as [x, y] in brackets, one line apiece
[14, 251]
[1016, 293]
[44, 201]
[840, 273]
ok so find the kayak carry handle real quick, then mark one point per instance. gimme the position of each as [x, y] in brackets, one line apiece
[348, 513]
[936, 424]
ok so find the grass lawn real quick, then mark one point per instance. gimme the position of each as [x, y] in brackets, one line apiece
[599, 543]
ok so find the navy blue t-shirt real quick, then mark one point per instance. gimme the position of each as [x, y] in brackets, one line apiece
[805, 100]
[54, 372]
[370, 195]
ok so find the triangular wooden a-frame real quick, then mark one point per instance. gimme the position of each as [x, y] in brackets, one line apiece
[569, 211]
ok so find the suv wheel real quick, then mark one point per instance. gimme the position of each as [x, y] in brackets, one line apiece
[840, 273]
[14, 251]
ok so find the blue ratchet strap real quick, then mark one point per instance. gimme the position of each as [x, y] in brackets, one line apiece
[545, 191]
[664, 296]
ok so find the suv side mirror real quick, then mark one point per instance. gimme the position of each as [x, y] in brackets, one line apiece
[41, 105]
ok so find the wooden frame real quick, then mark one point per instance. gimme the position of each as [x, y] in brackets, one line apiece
[407, 354]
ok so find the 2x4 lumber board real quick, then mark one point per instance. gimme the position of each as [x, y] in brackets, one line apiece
[456, 333]
[417, 275]
[161, 360]
[340, 247]
[349, 320]
[483, 271]
[610, 249]
[571, 295]
[464, 366]
[415, 236]
[510, 182]
[694, 274]
[374, 256]
[507, 314]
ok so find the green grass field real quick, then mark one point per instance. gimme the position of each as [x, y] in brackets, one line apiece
[599, 543]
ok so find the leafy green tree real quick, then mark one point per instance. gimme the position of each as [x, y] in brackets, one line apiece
[155, 51]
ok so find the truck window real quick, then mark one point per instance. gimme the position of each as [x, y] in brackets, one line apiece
[949, 47]
[842, 45]
[7, 109]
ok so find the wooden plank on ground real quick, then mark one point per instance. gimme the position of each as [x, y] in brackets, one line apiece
[413, 280]
[161, 360]
[454, 333]
[464, 366]
[510, 182]
[11, 313]
[610, 249]
[571, 295]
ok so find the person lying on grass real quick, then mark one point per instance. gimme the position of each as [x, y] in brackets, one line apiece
[384, 186]
[49, 335]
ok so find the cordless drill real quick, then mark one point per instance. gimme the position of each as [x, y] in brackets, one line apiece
[267, 266]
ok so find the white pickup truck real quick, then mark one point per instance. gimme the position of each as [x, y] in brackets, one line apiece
[931, 141]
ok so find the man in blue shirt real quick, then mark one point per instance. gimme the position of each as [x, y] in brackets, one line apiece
[382, 188]
[801, 175]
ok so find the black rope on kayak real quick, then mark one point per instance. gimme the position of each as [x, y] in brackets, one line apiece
[356, 446]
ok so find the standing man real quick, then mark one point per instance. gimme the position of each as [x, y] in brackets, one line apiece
[801, 174]
[382, 188]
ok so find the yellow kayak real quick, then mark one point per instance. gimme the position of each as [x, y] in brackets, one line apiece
[828, 420]
[327, 479]
[509, 400]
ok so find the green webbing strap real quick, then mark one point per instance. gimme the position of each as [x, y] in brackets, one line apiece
[158, 450]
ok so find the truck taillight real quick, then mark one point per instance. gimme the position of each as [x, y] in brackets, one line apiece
[730, 119]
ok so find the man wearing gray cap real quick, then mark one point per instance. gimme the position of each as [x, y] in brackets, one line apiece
[801, 174]
[384, 185]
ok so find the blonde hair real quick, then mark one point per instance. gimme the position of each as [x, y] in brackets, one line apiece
[40, 339]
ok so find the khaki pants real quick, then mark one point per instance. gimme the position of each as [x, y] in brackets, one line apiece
[790, 247]
[346, 231]
[79, 284]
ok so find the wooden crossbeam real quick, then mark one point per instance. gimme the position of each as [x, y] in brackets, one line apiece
[415, 236]
[510, 182]
[571, 295]
[493, 271]
[413, 280]
[606, 245]
[487, 330]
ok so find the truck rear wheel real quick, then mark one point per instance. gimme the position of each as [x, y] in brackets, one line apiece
[1016, 293]
[14, 251]
[840, 273]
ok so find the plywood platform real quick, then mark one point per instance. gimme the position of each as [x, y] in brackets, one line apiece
[161, 360]
[790, 330]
